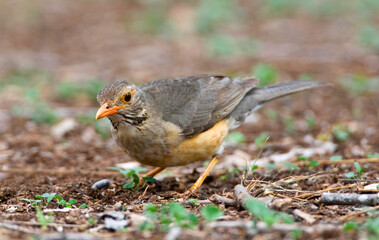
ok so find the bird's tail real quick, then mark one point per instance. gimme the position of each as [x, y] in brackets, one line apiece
[257, 97]
[271, 92]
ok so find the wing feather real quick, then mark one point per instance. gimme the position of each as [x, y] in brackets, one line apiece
[196, 103]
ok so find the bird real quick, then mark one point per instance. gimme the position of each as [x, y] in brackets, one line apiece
[175, 122]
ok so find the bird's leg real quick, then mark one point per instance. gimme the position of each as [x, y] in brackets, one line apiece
[151, 174]
[202, 177]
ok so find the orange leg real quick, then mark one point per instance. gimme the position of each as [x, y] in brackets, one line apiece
[202, 177]
[152, 173]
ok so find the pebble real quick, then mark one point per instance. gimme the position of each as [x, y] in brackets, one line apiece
[62, 128]
[105, 183]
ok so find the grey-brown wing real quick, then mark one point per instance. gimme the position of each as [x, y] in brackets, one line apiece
[196, 103]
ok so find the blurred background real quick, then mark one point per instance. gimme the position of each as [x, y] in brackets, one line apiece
[56, 55]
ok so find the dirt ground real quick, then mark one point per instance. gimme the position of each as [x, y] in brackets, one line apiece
[56, 55]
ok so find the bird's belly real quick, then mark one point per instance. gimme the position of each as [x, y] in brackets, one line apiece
[172, 150]
[200, 147]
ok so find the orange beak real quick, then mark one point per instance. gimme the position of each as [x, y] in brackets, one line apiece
[106, 110]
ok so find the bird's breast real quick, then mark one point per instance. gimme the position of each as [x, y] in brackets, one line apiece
[162, 145]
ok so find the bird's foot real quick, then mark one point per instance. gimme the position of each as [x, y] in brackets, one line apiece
[191, 191]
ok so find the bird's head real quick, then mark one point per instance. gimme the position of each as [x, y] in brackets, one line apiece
[121, 101]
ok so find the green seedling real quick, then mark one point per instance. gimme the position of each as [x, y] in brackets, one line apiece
[83, 205]
[291, 166]
[372, 227]
[302, 158]
[261, 139]
[214, 13]
[351, 225]
[146, 226]
[42, 219]
[265, 73]
[269, 216]
[235, 138]
[375, 155]
[369, 37]
[211, 213]
[153, 19]
[311, 121]
[47, 199]
[92, 221]
[193, 202]
[271, 166]
[68, 91]
[296, 233]
[335, 158]
[32, 202]
[314, 163]
[289, 126]
[168, 215]
[340, 132]
[271, 114]
[128, 172]
[131, 174]
[359, 171]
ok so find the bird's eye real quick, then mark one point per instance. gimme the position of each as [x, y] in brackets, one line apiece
[128, 97]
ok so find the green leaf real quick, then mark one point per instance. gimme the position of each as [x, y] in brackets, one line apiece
[50, 197]
[211, 213]
[63, 203]
[193, 201]
[83, 205]
[235, 138]
[265, 73]
[291, 166]
[271, 165]
[302, 158]
[314, 163]
[375, 155]
[350, 175]
[146, 226]
[72, 201]
[335, 158]
[58, 197]
[138, 170]
[135, 180]
[351, 225]
[261, 139]
[128, 185]
[45, 195]
[260, 211]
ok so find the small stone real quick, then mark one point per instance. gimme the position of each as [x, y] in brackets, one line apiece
[115, 225]
[62, 128]
[104, 183]
[112, 214]
[118, 206]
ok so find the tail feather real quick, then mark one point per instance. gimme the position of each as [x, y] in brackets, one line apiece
[271, 92]
[258, 96]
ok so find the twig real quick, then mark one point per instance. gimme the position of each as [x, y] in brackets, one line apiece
[263, 227]
[59, 172]
[350, 199]
[11, 226]
[349, 161]
[223, 200]
[241, 195]
[48, 224]
[307, 217]
[325, 190]
[358, 180]
[344, 218]
[368, 190]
